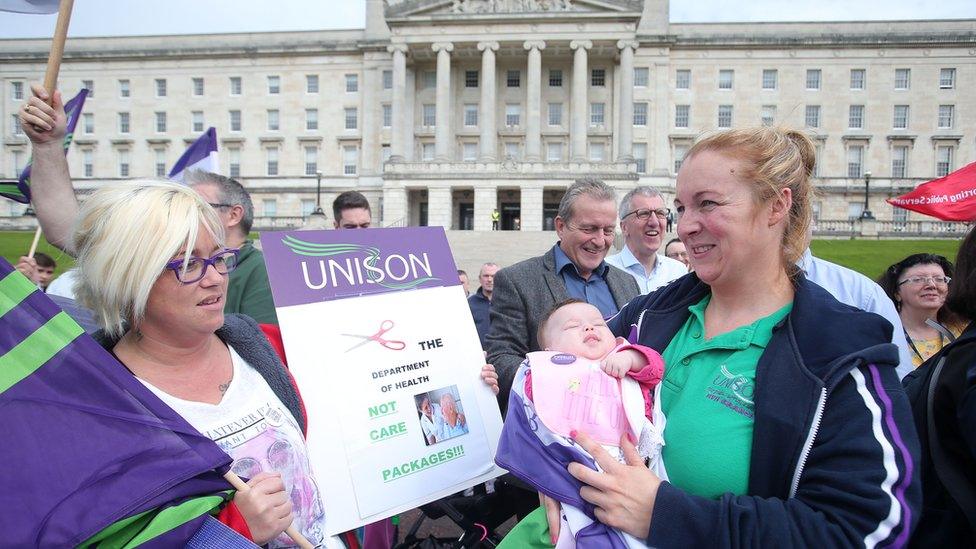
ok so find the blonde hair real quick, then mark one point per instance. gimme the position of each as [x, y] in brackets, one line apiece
[125, 234]
[773, 159]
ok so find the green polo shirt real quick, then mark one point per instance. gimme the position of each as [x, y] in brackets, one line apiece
[707, 398]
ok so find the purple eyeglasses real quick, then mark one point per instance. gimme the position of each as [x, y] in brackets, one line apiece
[223, 262]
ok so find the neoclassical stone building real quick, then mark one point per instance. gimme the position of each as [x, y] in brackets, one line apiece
[441, 111]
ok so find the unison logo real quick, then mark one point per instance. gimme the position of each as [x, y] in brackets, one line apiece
[358, 265]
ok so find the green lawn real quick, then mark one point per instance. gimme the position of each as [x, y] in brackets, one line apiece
[870, 257]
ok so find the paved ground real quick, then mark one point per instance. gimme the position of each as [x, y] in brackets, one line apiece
[442, 527]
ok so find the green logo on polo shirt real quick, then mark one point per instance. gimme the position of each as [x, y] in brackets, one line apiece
[733, 391]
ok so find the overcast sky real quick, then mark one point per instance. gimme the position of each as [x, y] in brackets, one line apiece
[141, 17]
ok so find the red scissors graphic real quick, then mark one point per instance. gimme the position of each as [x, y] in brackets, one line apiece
[386, 326]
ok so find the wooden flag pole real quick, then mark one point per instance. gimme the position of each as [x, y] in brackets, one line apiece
[51, 75]
[239, 485]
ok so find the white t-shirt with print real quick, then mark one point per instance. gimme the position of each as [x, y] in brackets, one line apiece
[252, 425]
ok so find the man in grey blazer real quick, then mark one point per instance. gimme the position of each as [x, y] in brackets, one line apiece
[574, 267]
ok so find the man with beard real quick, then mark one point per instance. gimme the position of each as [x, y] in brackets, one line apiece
[642, 221]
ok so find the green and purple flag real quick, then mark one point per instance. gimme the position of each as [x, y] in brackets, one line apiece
[89, 455]
[20, 191]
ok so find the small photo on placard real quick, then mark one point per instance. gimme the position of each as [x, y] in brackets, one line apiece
[441, 414]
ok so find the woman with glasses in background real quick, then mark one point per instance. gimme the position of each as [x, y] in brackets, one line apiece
[918, 285]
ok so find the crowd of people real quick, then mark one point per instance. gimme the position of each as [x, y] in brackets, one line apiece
[787, 422]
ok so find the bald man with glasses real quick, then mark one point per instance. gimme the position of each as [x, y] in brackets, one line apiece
[643, 219]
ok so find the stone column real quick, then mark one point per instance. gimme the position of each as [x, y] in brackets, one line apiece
[486, 114]
[625, 125]
[531, 208]
[533, 109]
[401, 123]
[579, 123]
[370, 118]
[395, 204]
[485, 202]
[439, 207]
[660, 165]
[442, 129]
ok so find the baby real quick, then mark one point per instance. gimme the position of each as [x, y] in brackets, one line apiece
[585, 381]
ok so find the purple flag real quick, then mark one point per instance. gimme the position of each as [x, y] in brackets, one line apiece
[87, 451]
[201, 155]
[20, 191]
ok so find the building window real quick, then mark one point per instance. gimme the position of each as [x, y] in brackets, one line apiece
[513, 114]
[311, 160]
[512, 150]
[386, 152]
[235, 85]
[387, 115]
[17, 91]
[641, 77]
[855, 160]
[900, 121]
[943, 160]
[387, 80]
[470, 115]
[198, 87]
[15, 128]
[555, 114]
[124, 89]
[274, 85]
[160, 87]
[123, 122]
[88, 122]
[682, 79]
[640, 114]
[812, 116]
[235, 161]
[160, 122]
[90, 86]
[903, 78]
[427, 151]
[598, 151]
[196, 119]
[554, 151]
[596, 114]
[855, 117]
[269, 207]
[682, 114]
[123, 163]
[87, 163]
[857, 79]
[311, 83]
[899, 216]
[598, 78]
[725, 116]
[725, 78]
[352, 83]
[469, 152]
[947, 79]
[769, 79]
[160, 162]
[351, 118]
[679, 156]
[471, 79]
[272, 160]
[429, 80]
[640, 156]
[311, 119]
[767, 114]
[854, 210]
[274, 122]
[308, 206]
[813, 79]
[817, 156]
[899, 162]
[430, 115]
[513, 78]
[235, 121]
[946, 113]
[555, 78]
[350, 160]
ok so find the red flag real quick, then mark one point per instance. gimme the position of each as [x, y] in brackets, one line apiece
[949, 198]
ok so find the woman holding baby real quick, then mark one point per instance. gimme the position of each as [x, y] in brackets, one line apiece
[786, 423]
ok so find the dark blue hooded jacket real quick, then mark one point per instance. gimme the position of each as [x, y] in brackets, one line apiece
[834, 451]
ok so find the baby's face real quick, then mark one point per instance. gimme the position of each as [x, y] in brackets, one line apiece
[578, 328]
